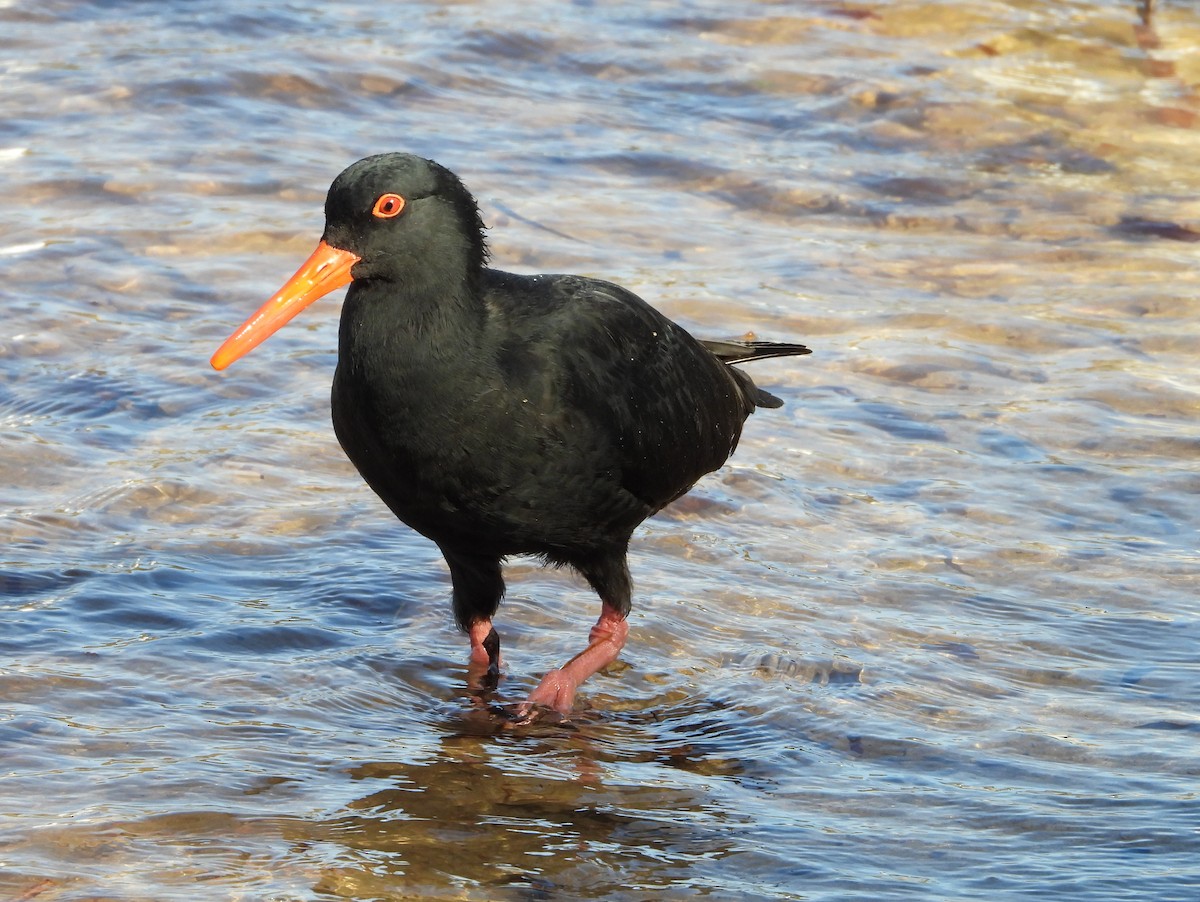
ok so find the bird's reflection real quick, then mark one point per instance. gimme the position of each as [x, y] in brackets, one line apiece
[566, 827]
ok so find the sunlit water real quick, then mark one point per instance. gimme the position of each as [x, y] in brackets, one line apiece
[932, 634]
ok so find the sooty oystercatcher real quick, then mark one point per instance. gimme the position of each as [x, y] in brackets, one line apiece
[501, 414]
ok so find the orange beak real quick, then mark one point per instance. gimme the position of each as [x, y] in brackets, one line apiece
[326, 270]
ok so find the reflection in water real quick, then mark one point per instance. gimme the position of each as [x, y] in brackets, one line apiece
[546, 832]
[934, 636]
[580, 822]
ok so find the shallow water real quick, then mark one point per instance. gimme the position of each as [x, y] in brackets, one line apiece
[934, 632]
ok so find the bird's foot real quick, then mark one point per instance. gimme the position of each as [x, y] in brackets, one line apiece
[557, 688]
[556, 691]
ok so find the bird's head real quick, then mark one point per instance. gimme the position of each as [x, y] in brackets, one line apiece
[391, 217]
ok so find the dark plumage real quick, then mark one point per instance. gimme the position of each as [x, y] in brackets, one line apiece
[502, 414]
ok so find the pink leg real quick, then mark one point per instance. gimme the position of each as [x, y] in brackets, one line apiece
[485, 654]
[557, 688]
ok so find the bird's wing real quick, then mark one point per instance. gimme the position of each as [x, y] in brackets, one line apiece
[658, 407]
[740, 350]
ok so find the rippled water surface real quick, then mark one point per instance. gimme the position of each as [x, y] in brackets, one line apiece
[932, 634]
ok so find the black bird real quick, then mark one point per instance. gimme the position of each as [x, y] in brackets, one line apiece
[501, 414]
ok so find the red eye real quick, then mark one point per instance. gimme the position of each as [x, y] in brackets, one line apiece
[388, 205]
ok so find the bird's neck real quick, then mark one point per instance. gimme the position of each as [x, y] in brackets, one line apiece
[386, 323]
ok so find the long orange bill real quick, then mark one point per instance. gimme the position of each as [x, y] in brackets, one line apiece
[326, 270]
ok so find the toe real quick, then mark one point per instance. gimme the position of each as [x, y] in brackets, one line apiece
[555, 691]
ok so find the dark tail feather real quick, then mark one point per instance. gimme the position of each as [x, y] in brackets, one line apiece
[766, 399]
[736, 350]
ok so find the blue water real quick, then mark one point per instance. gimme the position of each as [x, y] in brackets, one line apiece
[932, 634]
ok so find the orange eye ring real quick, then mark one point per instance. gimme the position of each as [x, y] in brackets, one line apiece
[388, 206]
